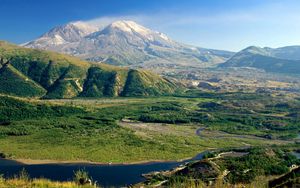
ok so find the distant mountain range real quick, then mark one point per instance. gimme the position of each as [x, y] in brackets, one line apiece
[278, 60]
[125, 43]
[38, 73]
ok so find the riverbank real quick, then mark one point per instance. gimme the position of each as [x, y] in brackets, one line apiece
[42, 161]
[114, 175]
[45, 161]
[200, 132]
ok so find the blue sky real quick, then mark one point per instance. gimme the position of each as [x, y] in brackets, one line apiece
[219, 24]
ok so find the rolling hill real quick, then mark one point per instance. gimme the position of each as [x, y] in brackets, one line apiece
[288, 52]
[280, 60]
[37, 73]
[125, 43]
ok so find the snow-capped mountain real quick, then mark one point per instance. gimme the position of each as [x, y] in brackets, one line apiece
[71, 32]
[125, 43]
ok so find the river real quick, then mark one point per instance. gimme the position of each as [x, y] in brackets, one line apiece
[105, 175]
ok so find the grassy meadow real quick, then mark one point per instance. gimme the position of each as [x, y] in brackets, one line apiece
[156, 128]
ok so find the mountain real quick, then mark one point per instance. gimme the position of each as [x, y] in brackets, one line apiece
[288, 52]
[279, 60]
[126, 43]
[38, 73]
[61, 35]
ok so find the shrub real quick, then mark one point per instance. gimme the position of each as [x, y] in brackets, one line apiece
[209, 155]
[276, 169]
[23, 175]
[2, 155]
[81, 177]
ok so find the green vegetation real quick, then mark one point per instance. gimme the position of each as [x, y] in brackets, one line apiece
[249, 167]
[63, 132]
[37, 73]
[261, 115]
[258, 162]
[132, 128]
[23, 180]
[142, 83]
[82, 177]
[161, 128]
[13, 82]
[100, 83]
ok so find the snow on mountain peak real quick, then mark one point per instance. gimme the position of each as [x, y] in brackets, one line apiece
[122, 42]
[70, 32]
[134, 28]
[58, 40]
[130, 26]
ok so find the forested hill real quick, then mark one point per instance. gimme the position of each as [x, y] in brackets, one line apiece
[37, 73]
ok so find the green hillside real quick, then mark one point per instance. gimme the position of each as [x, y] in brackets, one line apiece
[29, 72]
[145, 83]
[14, 82]
[263, 59]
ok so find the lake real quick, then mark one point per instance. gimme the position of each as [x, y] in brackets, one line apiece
[105, 175]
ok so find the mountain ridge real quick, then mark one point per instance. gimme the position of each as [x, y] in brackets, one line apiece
[46, 74]
[269, 59]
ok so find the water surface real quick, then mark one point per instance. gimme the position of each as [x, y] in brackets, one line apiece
[105, 175]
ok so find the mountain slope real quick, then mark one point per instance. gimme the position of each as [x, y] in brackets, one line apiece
[14, 82]
[145, 83]
[29, 72]
[288, 52]
[128, 43]
[264, 58]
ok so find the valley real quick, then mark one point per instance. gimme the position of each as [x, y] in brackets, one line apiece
[114, 102]
[236, 79]
[138, 131]
[86, 135]
[58, 110]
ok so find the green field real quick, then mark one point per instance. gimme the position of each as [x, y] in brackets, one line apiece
[160, 128]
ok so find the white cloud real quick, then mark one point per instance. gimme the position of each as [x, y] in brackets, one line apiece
[104, 21]
[264, 25]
